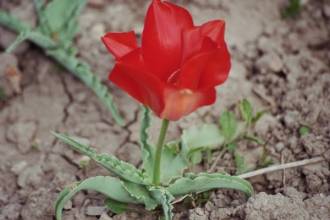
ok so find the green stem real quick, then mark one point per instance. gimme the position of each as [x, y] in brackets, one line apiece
[159, 150]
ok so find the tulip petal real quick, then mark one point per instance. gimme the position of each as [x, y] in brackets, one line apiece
[130, 75]
[194, 38]
[217, 69]
[120, 44]
[215, 30]
[205, 70]
[179, 103]
[162, 37]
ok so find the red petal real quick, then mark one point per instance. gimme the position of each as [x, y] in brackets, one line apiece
[179, 103]
[206, 60]
[205, 70]
[215, 30]
[120, 44]
[130, 75]
[162, 37]
[194, 38]
[217, 69]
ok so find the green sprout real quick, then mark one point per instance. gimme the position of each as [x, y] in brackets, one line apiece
[3, 95]
[304, 130]
[292, 9]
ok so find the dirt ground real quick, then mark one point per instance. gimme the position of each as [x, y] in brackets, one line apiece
[280, 65]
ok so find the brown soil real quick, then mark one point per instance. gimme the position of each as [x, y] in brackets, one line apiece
[280, 65]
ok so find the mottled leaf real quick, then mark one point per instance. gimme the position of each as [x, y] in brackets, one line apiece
[109, 162]
[146, 148]
[163, 197]
[60, 16]
[197, 183]
[172, 164]
[141, 193]
[109, 186]
[116, 207]
[198, 138]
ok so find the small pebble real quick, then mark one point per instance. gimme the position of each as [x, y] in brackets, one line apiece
[95, 210]
[19, 167]
[105, 216]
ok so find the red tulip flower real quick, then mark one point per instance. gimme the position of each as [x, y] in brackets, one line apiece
[178, 65]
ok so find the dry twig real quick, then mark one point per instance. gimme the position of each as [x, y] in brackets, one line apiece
[279, 167]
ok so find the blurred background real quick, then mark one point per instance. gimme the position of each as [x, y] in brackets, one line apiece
[281, 63]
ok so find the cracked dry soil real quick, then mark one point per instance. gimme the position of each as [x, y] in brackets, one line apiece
[280, 65]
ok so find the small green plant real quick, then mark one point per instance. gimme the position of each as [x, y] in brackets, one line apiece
[57, 27]
[304, 130]
[131, 185]
[292, 9]
[3, 95]
[227, 134]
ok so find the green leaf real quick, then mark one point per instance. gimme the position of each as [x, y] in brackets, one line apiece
[39, 6]
[23, 36]
[258, 116]
[146, 149]
[304, 130]
[141, 194]
[246, 110]
[196, 157]
[254, 139]
[228, 124]
[61, 18]
[241, 166]
[116, 207]
[109, 162]
[3, 95]
[109, 186]
[202, 137]
[292, 10]
[172, 164]
[231, 147]
[163, 197]
[197, 183]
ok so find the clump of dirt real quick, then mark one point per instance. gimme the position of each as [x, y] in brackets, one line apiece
[281, 66]
[290, 204]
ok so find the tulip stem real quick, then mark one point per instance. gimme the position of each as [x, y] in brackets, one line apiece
[159, 150]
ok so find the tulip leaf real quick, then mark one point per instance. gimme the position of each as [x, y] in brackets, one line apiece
[197, 183]
[199, 138]
[67, 60]
[19, 39]
[120, 168]
[116, 207]
[229, 127]
[246, 111]
[141, 193]
[164, 197]
[109, 186]
[146, 149]
[173, 163]
[58, 19]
